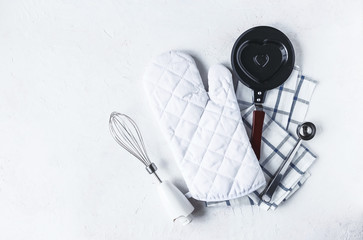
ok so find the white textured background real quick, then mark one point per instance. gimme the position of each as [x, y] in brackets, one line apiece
[66, 64]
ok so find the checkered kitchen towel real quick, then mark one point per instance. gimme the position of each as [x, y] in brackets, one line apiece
[285, 108]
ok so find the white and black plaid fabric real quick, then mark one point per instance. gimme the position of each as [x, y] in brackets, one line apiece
[285, 108]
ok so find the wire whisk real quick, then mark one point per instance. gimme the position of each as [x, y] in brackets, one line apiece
[127, 134]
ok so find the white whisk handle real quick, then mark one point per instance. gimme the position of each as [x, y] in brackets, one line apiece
[175, 203]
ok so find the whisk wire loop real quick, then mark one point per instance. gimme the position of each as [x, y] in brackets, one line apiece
[127, 134]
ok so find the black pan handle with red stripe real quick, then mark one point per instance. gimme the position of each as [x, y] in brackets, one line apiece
[256, 134]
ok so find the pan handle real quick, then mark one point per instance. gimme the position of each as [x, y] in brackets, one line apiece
[257, 125]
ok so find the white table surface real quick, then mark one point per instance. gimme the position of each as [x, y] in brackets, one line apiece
[65, 65]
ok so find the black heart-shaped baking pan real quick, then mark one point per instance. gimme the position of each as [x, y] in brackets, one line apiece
[262, 59]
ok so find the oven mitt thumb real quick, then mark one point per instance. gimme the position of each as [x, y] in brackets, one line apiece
[205, 130]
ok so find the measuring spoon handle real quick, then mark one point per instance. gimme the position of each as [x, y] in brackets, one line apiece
[270, 190]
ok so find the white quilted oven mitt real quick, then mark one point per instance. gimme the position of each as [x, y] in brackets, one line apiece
[205, 130]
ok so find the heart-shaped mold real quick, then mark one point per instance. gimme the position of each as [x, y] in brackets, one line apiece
[261, 61]
[262, 58]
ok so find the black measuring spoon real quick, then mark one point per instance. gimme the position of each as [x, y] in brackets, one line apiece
[305, 131]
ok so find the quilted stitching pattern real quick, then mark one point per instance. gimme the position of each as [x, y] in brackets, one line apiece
[205, 129]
